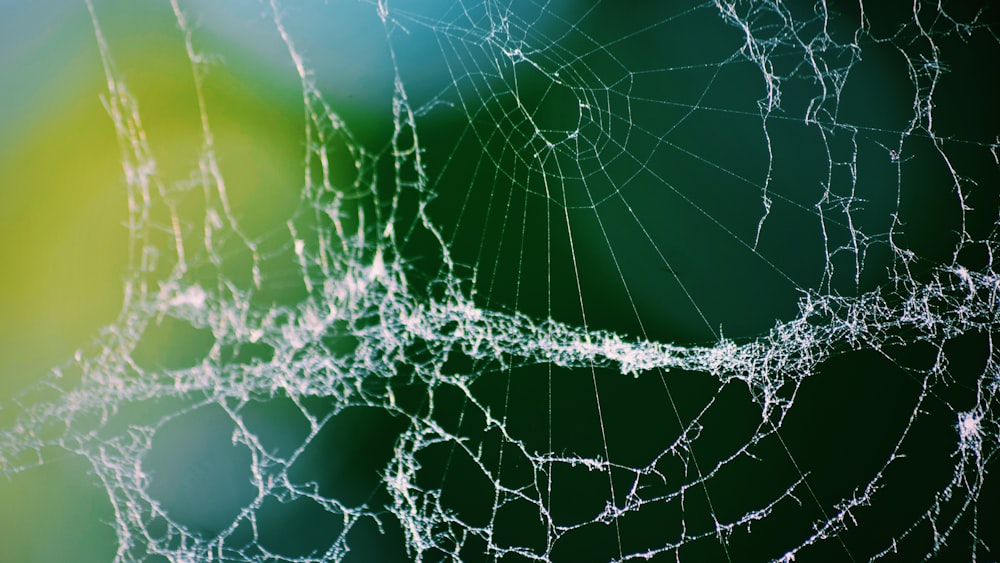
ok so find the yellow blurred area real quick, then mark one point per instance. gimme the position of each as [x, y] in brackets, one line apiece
[63, 241]
[63, 211]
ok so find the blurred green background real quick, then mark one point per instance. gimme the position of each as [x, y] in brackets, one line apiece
[62, 256]
[63, 242]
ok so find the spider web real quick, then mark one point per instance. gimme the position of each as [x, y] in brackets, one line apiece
[706, 281]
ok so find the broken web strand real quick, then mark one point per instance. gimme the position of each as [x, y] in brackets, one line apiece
[954, 302]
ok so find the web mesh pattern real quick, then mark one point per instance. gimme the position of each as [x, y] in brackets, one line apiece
[701, 282]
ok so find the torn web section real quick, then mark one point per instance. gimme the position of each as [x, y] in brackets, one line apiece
[468, 292]
[819, 148]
